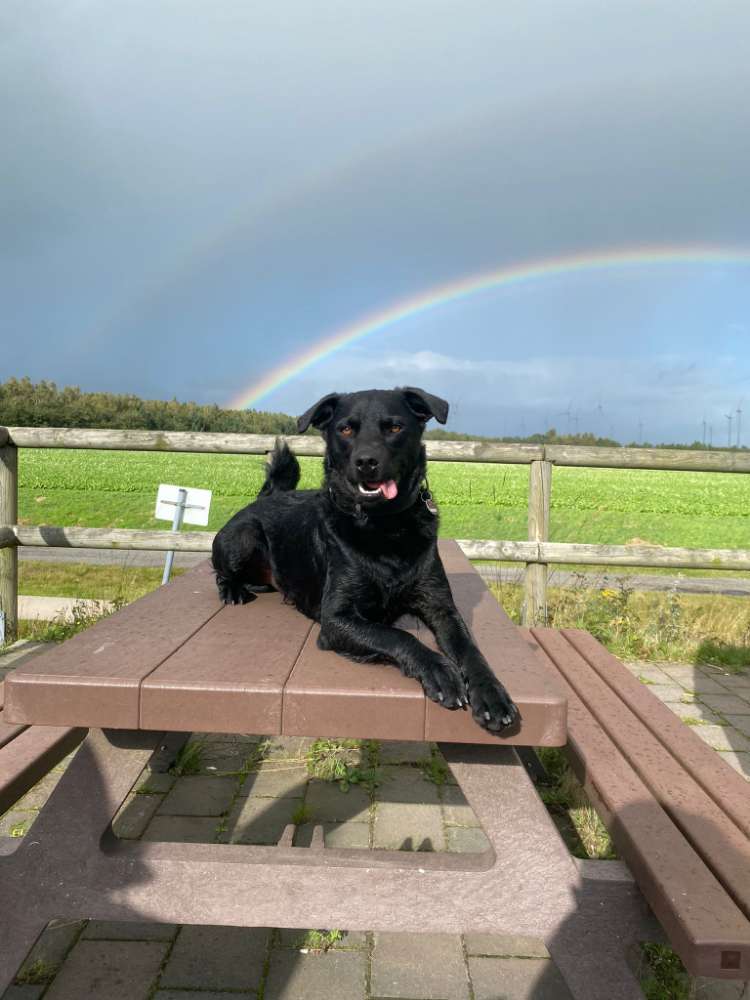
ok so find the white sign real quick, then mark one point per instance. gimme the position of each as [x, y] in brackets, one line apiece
[197, 504]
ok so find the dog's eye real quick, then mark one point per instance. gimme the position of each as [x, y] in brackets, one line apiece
[395, 429]
[347, 430]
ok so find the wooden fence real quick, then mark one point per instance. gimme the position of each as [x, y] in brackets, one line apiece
[537, 552]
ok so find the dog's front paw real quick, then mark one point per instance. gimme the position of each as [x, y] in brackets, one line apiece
[232, 592]
[443, 684]
[491, 705]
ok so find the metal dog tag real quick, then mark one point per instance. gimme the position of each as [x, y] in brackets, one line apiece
[429, 502]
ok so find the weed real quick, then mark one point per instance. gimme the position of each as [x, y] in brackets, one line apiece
[322, 940]
[302, 814]
[38, 972]
[84, 615]
[565, 799]
[349, 762]
[666, 977]
[190, 758]
[435, 769]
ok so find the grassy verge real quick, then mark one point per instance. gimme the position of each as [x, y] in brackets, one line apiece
[92, 581]
[694, 628]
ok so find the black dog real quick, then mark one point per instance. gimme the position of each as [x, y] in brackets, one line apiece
[361, 552]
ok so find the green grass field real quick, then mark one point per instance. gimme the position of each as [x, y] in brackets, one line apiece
[118, 489]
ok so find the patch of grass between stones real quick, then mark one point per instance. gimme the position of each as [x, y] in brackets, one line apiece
[578, 822]
[664, 976]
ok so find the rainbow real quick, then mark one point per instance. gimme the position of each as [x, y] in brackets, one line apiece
[462, 288]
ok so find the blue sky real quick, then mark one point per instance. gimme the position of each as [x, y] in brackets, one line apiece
[192, 194]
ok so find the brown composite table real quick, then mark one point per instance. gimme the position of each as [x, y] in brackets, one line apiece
[178, 660]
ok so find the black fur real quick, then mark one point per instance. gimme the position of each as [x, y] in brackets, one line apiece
[356, 563]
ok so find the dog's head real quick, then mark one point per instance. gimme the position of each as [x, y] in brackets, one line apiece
[374, 453]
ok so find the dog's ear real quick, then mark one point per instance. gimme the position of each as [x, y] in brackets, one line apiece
[320, 414]
[424, 405]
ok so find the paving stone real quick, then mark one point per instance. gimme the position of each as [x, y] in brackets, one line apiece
[741, 722]
[701, 684]
[201, 995]
[505, 946]
[456, 810]
[403, 752]
[722, 738]
[195, 795]
[419, 966]
[277, 781]
[135, 815]
[693, 711]
[286, 746]
[668, 692]
[217, 958]
[258, 821]
[182, 829]
[328, 803]
[718, 989]
[404, 826]
[16, 823]
[289, 938]
[226, 757]
[466, 840]
[333, 975]
[155, 783]
[38, 795]
[26, 992]
[726, 703]
[739, 761]
[407, 784]
[109, 970]
[517, 979]
[127, 930]
[737, 683]
[52, 945]
[682, 673]
[344, 835]
[653, 674]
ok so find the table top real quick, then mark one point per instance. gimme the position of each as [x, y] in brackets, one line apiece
[179, 660]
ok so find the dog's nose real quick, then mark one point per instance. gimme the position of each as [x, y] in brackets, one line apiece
[366, 463]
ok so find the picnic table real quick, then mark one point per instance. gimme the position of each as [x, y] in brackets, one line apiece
[178, 661]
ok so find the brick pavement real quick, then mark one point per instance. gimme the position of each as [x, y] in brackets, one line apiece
[242, 789]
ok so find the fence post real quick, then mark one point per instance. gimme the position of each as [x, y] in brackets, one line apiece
[534, 611]
[9, 556]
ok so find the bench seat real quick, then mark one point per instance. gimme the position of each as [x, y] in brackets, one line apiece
[677, 813]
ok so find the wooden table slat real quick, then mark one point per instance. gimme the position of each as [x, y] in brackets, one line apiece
[94, 678]
[230, 677]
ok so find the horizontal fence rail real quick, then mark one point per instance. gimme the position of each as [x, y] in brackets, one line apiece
[667, 459]
[538, 553]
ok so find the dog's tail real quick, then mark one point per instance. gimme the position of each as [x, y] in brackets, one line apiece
[282, 471]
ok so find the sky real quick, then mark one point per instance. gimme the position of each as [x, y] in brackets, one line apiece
[194, 196]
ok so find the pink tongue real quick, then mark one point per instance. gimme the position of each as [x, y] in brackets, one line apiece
[389, 489]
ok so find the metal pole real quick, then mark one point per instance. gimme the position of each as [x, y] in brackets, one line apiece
[179, 513]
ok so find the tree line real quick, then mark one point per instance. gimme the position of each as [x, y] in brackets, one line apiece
[24, 403]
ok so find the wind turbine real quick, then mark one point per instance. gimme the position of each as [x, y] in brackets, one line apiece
[567, 414]
[729, 429]
[739, 423]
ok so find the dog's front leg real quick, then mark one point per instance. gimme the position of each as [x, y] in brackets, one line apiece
[368, 642]
[491, 705]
